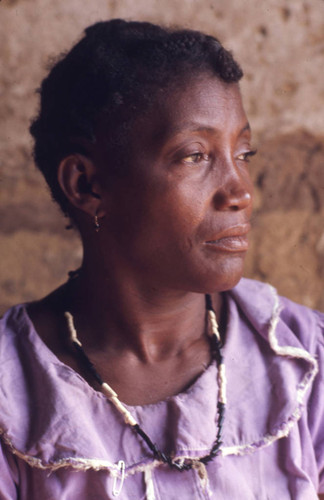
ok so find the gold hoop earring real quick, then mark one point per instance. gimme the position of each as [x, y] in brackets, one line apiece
[96, 223]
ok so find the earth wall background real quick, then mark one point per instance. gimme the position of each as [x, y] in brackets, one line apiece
[280, 45]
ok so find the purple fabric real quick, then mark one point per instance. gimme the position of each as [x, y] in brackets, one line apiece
[62, 440]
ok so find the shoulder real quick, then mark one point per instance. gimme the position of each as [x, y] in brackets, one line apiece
[14, 326]
[294, 324]
[307, 324]
[295, 335]
[28, 323]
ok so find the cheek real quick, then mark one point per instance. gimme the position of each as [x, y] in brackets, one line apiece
[181, 211]
[158, 213]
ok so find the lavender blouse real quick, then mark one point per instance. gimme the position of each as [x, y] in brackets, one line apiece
[62, 440]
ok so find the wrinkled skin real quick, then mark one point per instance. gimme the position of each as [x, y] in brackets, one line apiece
[187, 185]
[173, 228]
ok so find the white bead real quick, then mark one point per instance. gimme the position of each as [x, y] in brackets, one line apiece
[221, 379]
[129, 419]
[72, 330]
[214, 324]
[108, 391]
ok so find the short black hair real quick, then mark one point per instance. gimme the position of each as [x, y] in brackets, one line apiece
[116, 65]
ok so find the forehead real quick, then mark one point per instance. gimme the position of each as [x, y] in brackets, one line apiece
[193, 107]
[201, 105]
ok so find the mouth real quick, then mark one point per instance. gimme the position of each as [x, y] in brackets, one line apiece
[233, 239]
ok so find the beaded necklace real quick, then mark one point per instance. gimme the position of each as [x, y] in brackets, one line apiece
[215, 348]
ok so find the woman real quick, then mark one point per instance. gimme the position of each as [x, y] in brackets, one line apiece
[144, 142]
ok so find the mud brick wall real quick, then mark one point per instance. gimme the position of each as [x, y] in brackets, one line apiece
[279, 43]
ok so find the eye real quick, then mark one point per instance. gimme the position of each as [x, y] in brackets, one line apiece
[245, 156]
[195, 158]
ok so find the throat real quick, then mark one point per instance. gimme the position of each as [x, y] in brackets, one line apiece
[140, 383]
[148, 379]
[152, 330]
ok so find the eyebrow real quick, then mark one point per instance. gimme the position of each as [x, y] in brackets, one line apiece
[192, 127]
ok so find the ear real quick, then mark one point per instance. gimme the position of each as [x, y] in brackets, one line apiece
[77, 177]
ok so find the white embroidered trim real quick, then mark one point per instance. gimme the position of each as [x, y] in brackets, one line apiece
[98, 464]
[150, 494]
[288, 351]
[203, 477]
[75, 463]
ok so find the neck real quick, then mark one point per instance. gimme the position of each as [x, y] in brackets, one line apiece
[116, 311]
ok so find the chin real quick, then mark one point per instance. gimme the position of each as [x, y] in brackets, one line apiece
[222, 286]
[222, 278]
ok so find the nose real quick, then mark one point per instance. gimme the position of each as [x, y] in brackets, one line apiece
[234, 192]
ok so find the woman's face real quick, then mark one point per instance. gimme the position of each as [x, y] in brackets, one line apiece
[179, 219]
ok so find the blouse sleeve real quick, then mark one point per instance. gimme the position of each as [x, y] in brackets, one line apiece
[8, 475]
[316, 406]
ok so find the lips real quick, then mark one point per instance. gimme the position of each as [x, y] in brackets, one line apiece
[232, 239]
